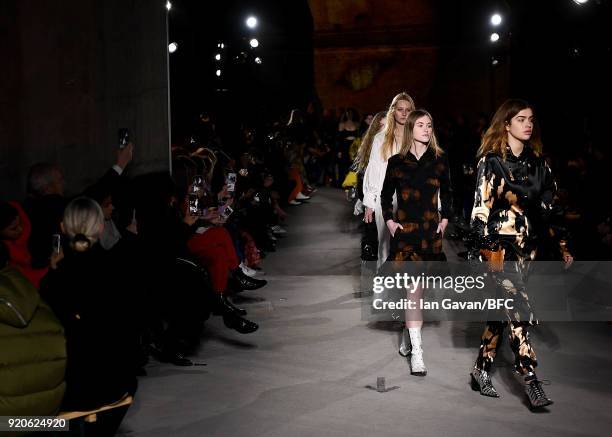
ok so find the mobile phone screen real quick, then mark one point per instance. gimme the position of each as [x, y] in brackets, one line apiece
[124, 137]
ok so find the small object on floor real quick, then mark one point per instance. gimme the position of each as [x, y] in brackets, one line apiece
[481, 381]
[380, 385]
[535, 393]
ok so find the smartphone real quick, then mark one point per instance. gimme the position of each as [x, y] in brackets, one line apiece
[193, 203]
[124, 137]
[231, 182]
[225, 211]
[56, 243]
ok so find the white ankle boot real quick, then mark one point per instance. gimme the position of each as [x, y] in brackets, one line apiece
[417, 364]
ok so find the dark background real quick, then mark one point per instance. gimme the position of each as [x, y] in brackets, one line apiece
[551, 53]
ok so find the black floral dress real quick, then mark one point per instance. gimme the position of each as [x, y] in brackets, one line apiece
[417, 184]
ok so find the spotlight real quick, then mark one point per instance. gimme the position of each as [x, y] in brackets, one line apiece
[254, 43]
[217, 57]
[218, 73]
[172, 47]
[168, 5]
[496, 19]
[494, 37]
[251, 22]
[221, 45]
[258, 60]
[580, 2]
[494, 62]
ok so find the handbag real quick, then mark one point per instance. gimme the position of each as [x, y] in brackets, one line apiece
[369, 241]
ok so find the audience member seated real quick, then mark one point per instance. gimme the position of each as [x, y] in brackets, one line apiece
[33, 352]
[15, 231]
[87, 293]
[46, 201]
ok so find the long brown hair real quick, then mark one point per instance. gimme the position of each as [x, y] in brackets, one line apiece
[363, 154]
[495, 139]
[409, 137]
[387, 148]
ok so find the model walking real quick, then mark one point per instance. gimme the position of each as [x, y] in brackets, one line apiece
[385, 145]
[513, 205]
[420, 178]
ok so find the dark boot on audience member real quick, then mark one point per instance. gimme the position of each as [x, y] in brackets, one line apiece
[166, 354]
[239, 324]
[223, 305]
[243, 282]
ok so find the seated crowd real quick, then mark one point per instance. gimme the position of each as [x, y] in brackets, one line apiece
[91, 286]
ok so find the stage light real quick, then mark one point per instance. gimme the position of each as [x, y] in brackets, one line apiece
[218, 73]
[496, 19]
[580, 2]
[217, 57]
[172, 47]
[168, 5]
[254, 43]
[258, 60]
[494, 62]
[221, 45]
[251, 22]
[494, 37]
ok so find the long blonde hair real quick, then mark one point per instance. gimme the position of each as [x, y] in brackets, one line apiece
[83, 223]
[409, 137]
[363, 154]
[495, 138]
[390, 124]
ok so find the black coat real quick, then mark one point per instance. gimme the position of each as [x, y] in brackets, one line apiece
[88, 293]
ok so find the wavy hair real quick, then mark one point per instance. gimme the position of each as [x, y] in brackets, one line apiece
[363, 154]
[495, 138]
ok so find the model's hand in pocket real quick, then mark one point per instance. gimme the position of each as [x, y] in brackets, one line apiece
[442, 227]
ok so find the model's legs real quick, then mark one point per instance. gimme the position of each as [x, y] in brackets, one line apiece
[481, 379]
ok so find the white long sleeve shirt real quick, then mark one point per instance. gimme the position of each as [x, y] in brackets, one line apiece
[375, 172]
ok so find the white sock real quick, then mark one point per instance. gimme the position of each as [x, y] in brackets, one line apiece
[415, 338]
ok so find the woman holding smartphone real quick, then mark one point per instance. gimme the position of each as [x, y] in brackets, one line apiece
[513, 206]
[419, 176]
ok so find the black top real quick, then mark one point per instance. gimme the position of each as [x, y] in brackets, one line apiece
[417, 184]
[89, 294]
[514, 202]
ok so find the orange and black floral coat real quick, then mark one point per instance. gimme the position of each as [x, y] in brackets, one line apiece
[417, 184]
[515, 204]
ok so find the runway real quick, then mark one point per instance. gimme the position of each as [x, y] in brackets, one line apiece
[305, 371]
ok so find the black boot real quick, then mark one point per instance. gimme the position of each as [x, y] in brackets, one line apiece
[223, 305]
[243, 282]
[481, 381]
[535, 392]
[239, 324]
[169, 355]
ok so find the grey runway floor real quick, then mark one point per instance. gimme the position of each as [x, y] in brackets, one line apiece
[304, 372]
